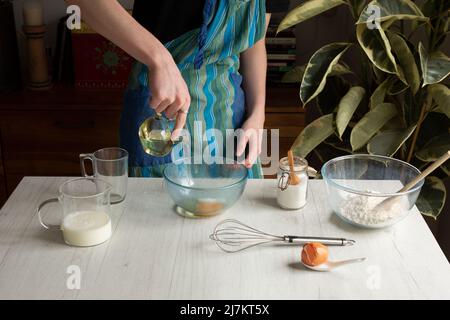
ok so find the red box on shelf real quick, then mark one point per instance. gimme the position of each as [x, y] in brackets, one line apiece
[98, 63]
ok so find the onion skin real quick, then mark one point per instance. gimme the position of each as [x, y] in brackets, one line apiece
[314, 254]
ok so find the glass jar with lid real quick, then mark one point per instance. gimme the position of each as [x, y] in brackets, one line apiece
[289, 196]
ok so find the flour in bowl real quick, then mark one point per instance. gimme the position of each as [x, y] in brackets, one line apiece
[366, 210]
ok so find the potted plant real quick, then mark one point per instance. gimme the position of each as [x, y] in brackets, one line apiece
[397, 104]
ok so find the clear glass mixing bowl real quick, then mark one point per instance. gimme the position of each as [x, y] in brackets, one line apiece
[359, 187]
[204, 190]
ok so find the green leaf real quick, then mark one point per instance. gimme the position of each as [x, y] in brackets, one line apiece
[319, 67]
[328, 100]
[388, 142]
[340, 69]
[432, 197]
[376, 45]
[358, 5]
[406, 61]
[313, 135]
[430, 8]
[441, 95]
[369, 125]
[339, 145]
[446, 168]
[391, 10]
[435, 148]
[435, 67]
[295, 75]
[347, 107]
[379, 94]
[397, 87]
[306, 11]
[379, 76]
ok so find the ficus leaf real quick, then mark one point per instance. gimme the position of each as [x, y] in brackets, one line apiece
[441, 95]
[435, 148]
[339, 145]
[432, 197]
[370, 124]
[446, 168]
[430, 8]
[388, 142]
[307, 10]
[435, 67]
[391, 10]
[380, 92]
[313, 135]
[397, 86]
[347, 107]
[340, 69]
[319, 68]
[376, 45]
[406, 61]
[295, 75]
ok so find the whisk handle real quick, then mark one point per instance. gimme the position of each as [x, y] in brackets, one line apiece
[326, 241]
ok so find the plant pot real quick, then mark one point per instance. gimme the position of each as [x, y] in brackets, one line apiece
[10, 75]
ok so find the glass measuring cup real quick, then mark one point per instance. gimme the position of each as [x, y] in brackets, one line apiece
[86, 212]
[110, 165]
[156, 136]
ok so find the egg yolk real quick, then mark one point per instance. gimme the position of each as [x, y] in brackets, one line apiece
[314, 254]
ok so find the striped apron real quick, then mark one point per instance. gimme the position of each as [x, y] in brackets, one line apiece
[208, 58]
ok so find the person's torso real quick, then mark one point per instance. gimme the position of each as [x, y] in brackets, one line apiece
[170, 19]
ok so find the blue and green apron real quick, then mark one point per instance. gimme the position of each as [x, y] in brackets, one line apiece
[208, 58]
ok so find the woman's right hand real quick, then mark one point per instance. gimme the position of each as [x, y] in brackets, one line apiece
[170, 94]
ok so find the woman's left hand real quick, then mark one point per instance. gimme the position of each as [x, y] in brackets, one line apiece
[252, 136]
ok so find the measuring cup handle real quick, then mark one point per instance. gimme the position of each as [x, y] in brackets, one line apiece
[83, 158]
[41, 220]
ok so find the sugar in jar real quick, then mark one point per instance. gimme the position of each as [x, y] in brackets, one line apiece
[289, 196]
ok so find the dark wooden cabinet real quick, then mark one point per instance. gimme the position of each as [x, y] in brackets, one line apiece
[50, 142]
[43, 133]
[3, 193]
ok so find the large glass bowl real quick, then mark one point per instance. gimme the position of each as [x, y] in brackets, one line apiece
[360, 189]
[204, 190]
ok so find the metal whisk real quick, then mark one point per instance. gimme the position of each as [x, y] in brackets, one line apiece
[232, 235]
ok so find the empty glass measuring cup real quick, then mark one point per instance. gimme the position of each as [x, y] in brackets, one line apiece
[110, 165]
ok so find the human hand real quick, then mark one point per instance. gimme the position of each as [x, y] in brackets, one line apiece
[170, 94]
[252, 136]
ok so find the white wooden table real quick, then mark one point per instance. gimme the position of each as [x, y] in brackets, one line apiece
[154, 253]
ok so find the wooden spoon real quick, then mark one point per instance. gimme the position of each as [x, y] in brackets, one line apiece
[387, 204]
[294, 179]
[427, 171]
